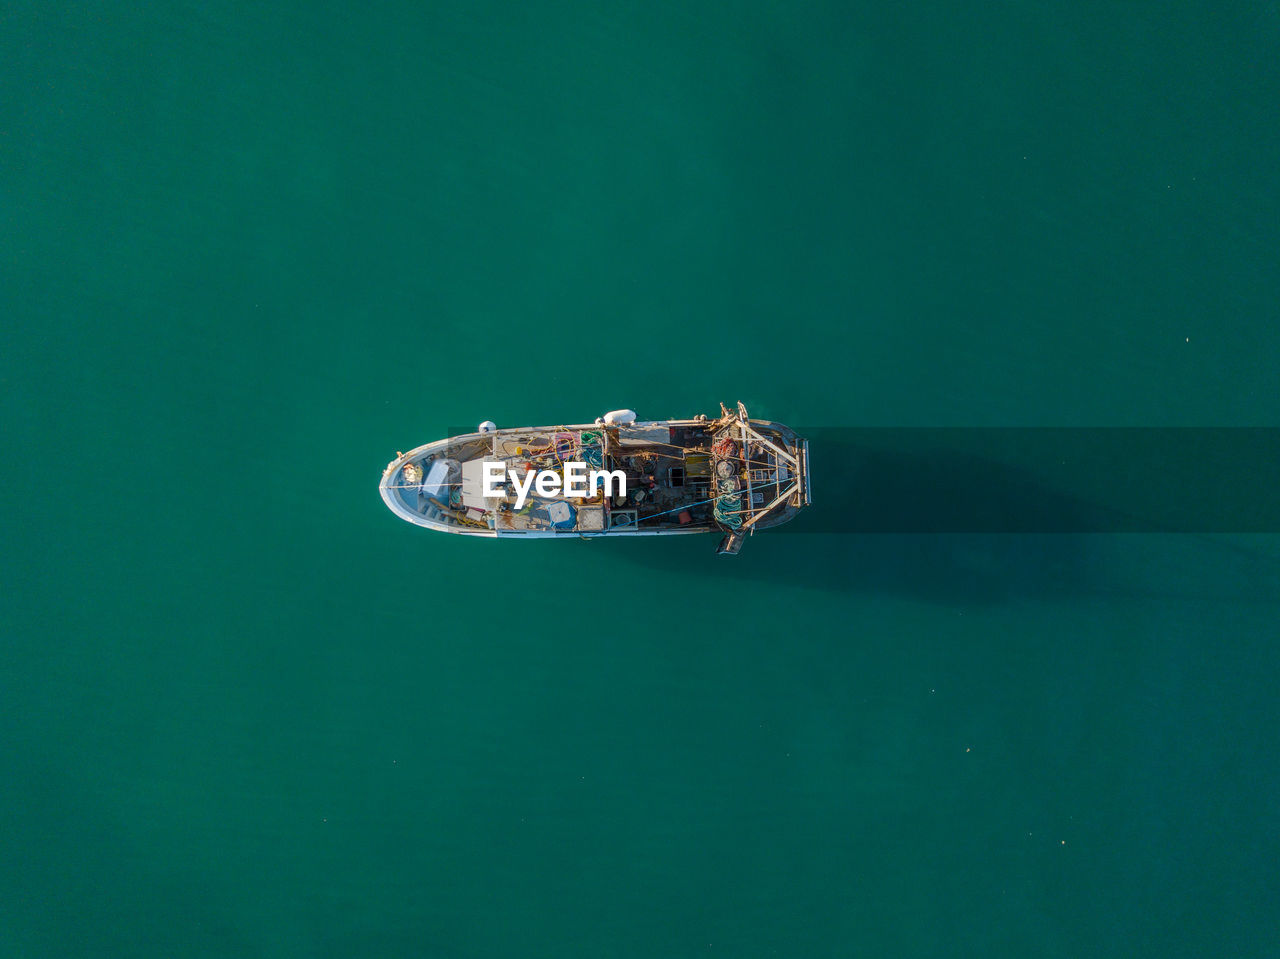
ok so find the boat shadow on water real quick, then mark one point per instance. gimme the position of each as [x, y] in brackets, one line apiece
[957, 528]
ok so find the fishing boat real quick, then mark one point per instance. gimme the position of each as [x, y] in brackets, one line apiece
[616, 477]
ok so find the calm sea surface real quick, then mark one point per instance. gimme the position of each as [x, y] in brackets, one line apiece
[248, 252]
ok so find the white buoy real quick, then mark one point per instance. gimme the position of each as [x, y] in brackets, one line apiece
[488, 426]
[620, 418]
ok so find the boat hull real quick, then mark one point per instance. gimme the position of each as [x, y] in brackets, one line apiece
[434, 485]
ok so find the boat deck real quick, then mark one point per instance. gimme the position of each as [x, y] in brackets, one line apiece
[682, 476]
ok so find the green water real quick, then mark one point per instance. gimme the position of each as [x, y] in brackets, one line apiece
[248, 252]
